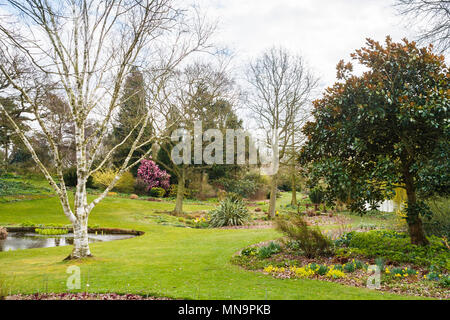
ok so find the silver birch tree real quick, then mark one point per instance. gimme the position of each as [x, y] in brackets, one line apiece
[89, 48]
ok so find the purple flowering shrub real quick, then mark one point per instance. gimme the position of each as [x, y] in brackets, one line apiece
[153, 176]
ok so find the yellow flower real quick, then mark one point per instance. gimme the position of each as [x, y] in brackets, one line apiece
[304, 272]
[268, 269]
[332, 273]
[387, 270]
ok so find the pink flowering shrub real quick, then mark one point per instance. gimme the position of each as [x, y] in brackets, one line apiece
[153, 176]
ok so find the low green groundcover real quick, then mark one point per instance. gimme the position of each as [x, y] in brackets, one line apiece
[394, 247]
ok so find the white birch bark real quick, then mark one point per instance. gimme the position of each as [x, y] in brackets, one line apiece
[89, 47]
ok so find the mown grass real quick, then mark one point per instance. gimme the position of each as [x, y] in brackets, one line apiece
[17, 188]
[166, 261]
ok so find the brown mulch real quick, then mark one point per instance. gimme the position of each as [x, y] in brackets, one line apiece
[257, 224]
[324, 220]
[82, 296]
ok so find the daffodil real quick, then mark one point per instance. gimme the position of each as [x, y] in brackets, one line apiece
[268, 269]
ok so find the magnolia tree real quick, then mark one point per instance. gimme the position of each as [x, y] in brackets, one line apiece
[89, 48]
[153, 176]
[384, 129]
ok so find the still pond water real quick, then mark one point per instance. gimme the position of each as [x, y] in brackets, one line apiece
[29, 240]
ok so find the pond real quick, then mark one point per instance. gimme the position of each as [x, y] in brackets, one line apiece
[30, 240]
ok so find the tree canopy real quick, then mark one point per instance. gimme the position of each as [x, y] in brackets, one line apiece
[384, 128]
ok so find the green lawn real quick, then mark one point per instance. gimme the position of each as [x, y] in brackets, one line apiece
[166, 261]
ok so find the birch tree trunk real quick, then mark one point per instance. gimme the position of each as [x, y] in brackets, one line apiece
[89, 47]
[81, 238]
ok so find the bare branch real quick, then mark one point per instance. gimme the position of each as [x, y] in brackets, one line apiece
[433, 19]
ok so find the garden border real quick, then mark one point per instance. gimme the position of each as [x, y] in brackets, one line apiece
[90, 230]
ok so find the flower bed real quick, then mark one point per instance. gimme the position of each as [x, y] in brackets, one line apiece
[277, 259]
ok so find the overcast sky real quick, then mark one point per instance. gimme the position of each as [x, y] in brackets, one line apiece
[322, 31]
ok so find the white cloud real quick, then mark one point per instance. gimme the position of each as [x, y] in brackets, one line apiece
[323, 31]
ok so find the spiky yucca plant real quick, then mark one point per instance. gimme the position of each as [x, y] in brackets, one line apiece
[231, 212]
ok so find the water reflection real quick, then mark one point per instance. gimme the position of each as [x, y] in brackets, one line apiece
[21, 240]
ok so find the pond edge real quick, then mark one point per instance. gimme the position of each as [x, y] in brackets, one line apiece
[90, 230]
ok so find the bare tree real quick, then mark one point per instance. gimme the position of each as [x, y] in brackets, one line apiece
[183, 102]
[17, 108]
[89, 48]
[434, 15]
[281, 89]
